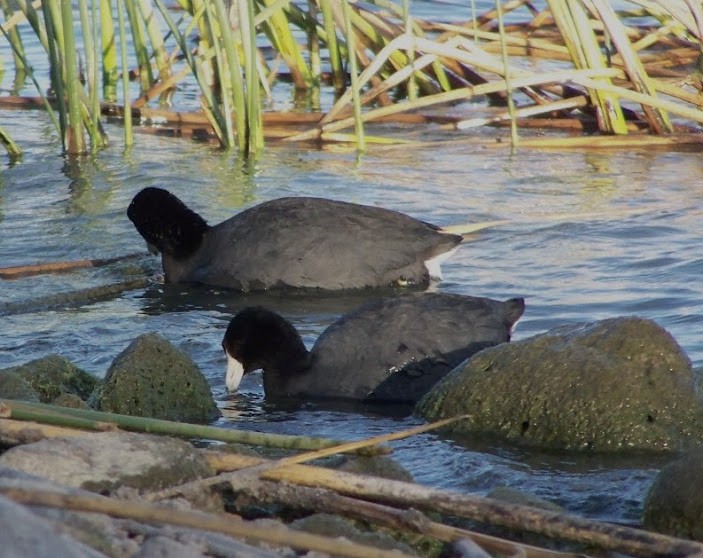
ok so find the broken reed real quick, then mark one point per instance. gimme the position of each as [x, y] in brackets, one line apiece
[421, 63]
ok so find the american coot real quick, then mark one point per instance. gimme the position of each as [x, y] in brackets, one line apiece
[294, 242]
[390, 350]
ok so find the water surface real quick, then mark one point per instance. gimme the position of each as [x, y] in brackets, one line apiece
[631, 247]
[640, 256]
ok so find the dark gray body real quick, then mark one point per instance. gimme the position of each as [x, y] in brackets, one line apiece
[312, 243]
[397, 348]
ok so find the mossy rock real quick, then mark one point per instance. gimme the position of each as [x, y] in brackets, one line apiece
[615, 385]
[71, 401]
[674, 504]
[53, 375]
[13, 386]
[152, 378]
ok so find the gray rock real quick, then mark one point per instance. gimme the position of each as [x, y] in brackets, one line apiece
[616, 384]
[104, 462]
[96, 531]
[163, 547]
[25, 534]
[13, 386]
[53, 375]
[674, 504]
[152, 378]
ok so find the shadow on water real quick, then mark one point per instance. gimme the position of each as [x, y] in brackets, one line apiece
[164, 297]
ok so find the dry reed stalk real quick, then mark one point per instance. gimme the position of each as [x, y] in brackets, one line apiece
[657, 118]
[632, 141]
[561, 105]
[662, 104]
[252, 471]
[512, 516]
[19, 432]
[411, 520]
[452, 96]
[218, 523]
[572, 124]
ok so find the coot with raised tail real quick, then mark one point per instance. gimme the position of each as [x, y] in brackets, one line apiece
[294, 242]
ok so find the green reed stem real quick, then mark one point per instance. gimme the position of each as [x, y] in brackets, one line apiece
[14, 38]
[52, 22]
[506, 66]
[127, 112]
[139, 46]
[156, 39]
[407, 22]
[234, 71]
[76, 139]
[210, 106]
[222, 71]
[284, 42]
[255, 136]
[109, 52]
[96, 420]
[13, 150]
[89, 27]
[333, 48]
[582, 44]
[353, 71]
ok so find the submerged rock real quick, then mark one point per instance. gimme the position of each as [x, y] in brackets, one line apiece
[615, 384]
[54, 375]
[152, 378]
[674, 504]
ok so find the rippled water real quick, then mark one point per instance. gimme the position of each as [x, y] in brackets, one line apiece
[647, 262]
[632, 247]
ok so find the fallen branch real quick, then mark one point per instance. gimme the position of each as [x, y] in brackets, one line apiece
[555, 525]
[74, 298]
[58, 267]
[558, 526]
[410, 520]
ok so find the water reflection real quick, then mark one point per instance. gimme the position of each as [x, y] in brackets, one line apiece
[576, 270]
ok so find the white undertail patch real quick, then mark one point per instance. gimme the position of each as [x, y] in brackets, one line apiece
[433, 265]
[234, 373]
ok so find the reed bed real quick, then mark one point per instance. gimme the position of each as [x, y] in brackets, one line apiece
[570, 67]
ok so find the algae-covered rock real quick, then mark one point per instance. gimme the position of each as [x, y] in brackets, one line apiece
[53, 375]
[674, 504]
[152, 378]
[13, 386]
[71, 401]
[616, 384]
